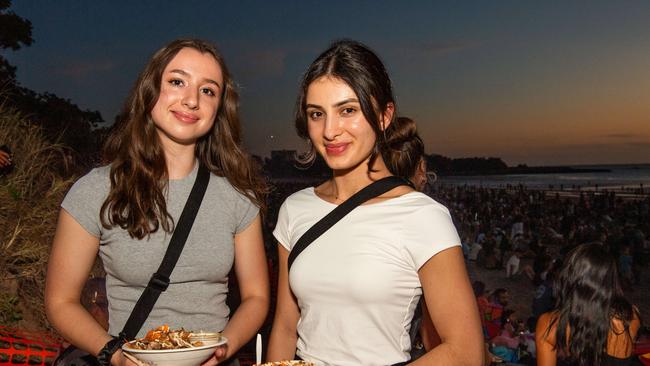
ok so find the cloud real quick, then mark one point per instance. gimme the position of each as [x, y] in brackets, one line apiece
[621, 136]
[80, 70]
[639, 144]
[588, 153]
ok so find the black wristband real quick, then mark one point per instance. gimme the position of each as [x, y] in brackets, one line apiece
[106, 353]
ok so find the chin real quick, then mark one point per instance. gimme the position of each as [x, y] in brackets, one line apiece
[336, 163]
[344, 168]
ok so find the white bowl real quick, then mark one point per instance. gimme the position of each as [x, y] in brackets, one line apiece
[193, 356]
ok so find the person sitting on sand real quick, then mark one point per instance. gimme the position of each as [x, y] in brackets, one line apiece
[494, 311]
[512, 265]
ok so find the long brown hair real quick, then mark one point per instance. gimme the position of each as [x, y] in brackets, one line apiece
[138, 173]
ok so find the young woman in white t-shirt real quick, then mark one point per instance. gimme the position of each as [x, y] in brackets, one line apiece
[350, 296]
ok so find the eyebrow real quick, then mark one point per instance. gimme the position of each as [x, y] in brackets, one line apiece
[337, 104]
[185, 73]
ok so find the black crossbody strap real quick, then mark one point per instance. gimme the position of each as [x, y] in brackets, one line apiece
[372, 190]
[160, 280]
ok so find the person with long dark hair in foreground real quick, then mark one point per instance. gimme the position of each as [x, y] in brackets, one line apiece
[181, 117]
[592, 323]
[350, 296]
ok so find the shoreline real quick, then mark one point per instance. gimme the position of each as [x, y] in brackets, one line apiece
[625, 191]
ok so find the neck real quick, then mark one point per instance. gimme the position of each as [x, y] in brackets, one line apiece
[180, 160]
[347, 183]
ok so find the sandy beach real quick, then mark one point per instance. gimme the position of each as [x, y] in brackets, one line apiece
[522, 290]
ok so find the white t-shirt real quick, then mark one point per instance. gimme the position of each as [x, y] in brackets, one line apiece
[357, 284]
[517, 228]
[473, 251]
[512, 266]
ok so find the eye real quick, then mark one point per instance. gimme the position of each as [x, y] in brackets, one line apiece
[176, 82]
[208, 91]
[348, 110]
[314, 115]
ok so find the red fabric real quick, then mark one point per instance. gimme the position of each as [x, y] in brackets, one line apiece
[645, 360]
[20, 347]
[492, 319]
[642, 345]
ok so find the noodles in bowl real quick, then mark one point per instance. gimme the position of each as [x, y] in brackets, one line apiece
[165, 347]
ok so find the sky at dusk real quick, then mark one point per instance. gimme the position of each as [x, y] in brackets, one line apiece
[534, 82]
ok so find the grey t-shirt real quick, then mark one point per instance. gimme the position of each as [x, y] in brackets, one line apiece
[196, 296]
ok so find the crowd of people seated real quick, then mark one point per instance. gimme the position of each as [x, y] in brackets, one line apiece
[501, 226]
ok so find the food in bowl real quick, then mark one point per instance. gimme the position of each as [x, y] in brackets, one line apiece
[162, 338]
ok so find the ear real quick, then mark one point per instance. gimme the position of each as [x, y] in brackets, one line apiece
[387, 116]
[422, 166]
[420, 177]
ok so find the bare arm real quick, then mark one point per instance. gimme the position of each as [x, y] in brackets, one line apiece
[453, 310]
[284, 336]
[252, 274]
[428, 333]
[546, 354]
[72, 256]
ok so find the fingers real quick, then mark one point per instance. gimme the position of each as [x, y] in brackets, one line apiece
[220, 352]
[210, 362]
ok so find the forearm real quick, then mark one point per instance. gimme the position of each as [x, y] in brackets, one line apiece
[447, 354]
[76, 325]
[245, 322]
[282, 344]
[430, 338]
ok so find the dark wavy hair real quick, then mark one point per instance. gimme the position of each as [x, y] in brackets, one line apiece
[361, 69]
[138, 172]
[588, 297]
[404, 149]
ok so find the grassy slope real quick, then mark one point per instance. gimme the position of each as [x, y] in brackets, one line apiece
[29, 199]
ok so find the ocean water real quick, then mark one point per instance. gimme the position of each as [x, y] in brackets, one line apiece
[629, 176]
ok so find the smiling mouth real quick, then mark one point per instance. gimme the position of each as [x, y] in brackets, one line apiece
[335, 149]
[185, 117]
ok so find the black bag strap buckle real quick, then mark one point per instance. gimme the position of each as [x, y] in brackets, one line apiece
[158, 282]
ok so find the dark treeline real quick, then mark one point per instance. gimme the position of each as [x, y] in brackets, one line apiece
[61, 120]
[443, 165]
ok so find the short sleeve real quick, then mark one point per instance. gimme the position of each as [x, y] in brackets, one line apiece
[248, 212]
[84, 200]
[281, 231]
[428, 231]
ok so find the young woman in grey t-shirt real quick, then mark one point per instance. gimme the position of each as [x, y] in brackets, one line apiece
[181, 112]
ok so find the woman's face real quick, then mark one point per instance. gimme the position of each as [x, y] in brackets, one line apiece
[337, 127]
[190, 93]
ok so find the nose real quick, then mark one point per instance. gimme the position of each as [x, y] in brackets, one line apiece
[332, 127]
[191, 98]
